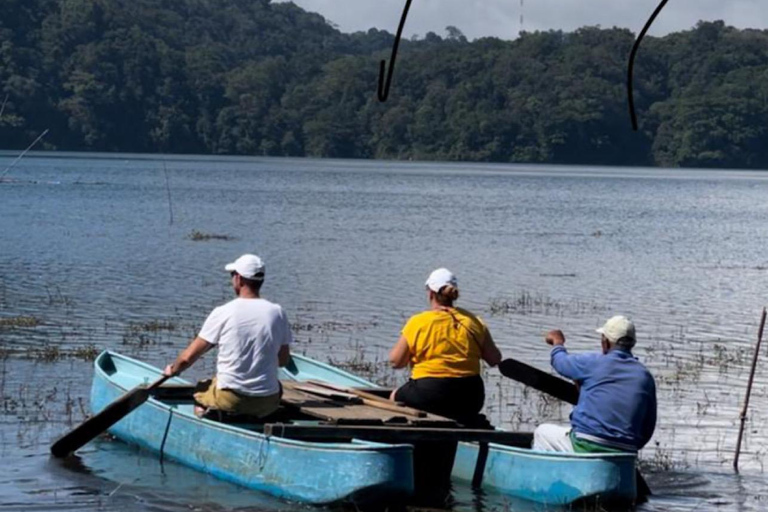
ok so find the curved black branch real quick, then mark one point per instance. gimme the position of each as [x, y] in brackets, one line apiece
[632, 56]
[384, 89]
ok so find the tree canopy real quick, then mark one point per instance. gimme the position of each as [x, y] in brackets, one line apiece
[260, 78]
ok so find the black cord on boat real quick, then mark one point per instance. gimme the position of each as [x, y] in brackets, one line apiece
[165, 435]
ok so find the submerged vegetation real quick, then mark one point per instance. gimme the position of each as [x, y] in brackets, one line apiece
[143, 334]
[199, 236]
[51, 353]
[527, 303]
[265, 78]
[19, 321]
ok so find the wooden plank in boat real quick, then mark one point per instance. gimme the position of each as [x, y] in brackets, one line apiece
[346, 413]
[329, 410]
[393, 434]
[327, 393]
[339, 411]
[373, 400]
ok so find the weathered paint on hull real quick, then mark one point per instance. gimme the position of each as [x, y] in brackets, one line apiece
[316, 473]
[550, 478]
[544, 477]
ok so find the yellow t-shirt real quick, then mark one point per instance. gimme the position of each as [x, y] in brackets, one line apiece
[445, 343]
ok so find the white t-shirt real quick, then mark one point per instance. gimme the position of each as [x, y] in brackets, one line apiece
[249, 333]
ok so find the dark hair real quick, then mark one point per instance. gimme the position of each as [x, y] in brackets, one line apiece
[255, 283]
[447, 295]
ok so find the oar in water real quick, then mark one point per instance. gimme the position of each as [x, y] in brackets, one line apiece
[558, 388]
[100, 422]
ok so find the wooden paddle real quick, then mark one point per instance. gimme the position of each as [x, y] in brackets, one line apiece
[561, 389]
[100, 422]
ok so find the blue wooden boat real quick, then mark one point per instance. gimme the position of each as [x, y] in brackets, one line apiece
[309, 472]
[544, 477]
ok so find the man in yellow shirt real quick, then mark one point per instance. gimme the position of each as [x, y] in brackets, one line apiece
[444, 346]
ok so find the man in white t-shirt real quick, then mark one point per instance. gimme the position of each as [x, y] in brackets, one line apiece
[253, 337]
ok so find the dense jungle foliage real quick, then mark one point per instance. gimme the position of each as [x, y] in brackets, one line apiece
[260, 78]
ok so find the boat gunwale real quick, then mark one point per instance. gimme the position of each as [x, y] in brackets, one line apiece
[541, 454]
[357, 445]
[332, 369]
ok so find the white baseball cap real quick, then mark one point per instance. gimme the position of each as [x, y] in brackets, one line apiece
[439, 278]
[618, 327]
[248, 266]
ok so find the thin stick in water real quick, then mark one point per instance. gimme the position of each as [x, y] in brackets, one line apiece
[168, 190]
[743, 417]
[13, 164]
[2, 109]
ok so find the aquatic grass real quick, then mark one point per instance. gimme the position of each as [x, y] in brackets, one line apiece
[373, 369]
[52, 353]
[199, 236]
[153, 326]
[138, 339]
[19, 321]
[55, 297]
[143, 334]
[332, 326]
[527, 303]
[662, 460]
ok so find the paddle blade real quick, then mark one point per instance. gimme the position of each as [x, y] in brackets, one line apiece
[100, 422]
[539, 380]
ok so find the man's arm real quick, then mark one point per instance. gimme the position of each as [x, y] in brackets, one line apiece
[284, 352]
[188, 356]
[574, 367]
[284, 355]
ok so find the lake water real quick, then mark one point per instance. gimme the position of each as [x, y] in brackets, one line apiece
[96, 252]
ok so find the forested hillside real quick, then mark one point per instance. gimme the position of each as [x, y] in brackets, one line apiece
[257, 78]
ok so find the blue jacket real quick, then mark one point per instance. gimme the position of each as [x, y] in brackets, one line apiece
[617, 400]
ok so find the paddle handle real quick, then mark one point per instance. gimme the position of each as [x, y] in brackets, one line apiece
[159, 382]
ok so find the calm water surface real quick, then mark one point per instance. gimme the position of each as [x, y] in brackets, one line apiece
[97, 253]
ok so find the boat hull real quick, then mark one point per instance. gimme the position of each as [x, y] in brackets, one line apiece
[548, 477]
[315, 473]
[543, 477]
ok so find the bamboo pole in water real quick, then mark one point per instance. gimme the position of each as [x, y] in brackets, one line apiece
[743, 417]
[2, 108]
[7, 169]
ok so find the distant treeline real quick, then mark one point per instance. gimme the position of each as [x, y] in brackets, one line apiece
[257, 78]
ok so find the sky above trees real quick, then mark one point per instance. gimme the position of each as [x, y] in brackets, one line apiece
[501, 18]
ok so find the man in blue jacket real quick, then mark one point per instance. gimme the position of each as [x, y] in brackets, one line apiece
[617, 400]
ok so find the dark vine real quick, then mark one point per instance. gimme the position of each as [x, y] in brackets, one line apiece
[631, 67]
[385, 77]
